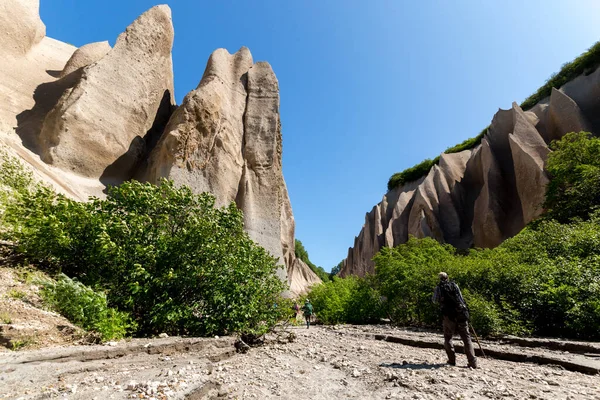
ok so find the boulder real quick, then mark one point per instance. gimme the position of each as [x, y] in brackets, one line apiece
[101, 126]
[85, 55]
[20, 26]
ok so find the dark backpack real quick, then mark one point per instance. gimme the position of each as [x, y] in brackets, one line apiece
[452, 305]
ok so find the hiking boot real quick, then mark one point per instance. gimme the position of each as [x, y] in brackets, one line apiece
[453, 363]
[472, 365]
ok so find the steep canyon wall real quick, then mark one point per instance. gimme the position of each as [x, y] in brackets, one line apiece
[482, 196]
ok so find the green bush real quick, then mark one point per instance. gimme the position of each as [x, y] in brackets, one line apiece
[351, 300]
[586, 63]
[543, 281]
[85, 308]
[162, 254]
[15, 183]
[467, 144]
[336, 270]
[423, 168]
[412, 173]
[574, 168]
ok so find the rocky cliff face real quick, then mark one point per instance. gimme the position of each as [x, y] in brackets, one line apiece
[481, 197]
[98, 115]
[226, 139]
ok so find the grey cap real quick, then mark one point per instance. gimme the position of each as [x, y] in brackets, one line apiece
[443, 276]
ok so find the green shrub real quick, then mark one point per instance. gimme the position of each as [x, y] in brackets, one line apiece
[412, 173]
[15, 183]
[350, 299]
[162, 254]
[16, 294]
[336, 270]
[574, 168]
[586, 63]
[543, 281]
[84, 307]
[423, 168]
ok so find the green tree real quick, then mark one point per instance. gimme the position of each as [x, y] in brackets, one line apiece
[336, 270]
[164, 255]
[574, 168]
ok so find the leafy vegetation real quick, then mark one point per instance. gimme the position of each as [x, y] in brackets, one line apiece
[543, 281]
[85, 308]
[162, 255]
[467, 144]
[412, 173]
[5, 317]
[351, 299]
[421, 169]
[586, 63]
[16, 294]
[574, 166]
[302, 254]
[336, 270]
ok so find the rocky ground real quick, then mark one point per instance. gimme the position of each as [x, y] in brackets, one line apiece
[321, 363]
[25, 323]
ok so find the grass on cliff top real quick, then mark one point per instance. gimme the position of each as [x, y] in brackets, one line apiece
[586, 63]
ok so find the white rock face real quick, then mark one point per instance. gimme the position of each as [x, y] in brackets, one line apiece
[85, 55]
[99, 128]
[20, 26]
[484, 196]
[226, 139]
[94, 114]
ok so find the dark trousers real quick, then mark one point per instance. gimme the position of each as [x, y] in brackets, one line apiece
[450, 328]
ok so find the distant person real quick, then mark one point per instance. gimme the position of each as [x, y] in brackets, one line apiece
[296, 309]
[456, 318]
[308, 312]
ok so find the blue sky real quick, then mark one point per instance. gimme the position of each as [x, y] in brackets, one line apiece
[368, 88]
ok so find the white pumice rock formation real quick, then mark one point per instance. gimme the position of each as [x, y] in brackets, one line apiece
[86, 55]
[84, 118]
[226, 138]
[483, 196]
[20, 26]
[100, 128]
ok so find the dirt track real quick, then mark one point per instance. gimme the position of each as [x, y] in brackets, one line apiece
[323, 363]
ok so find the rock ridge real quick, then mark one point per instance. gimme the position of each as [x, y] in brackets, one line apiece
[483, 196]
[97, 115]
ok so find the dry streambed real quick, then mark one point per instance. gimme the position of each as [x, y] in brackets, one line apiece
[322, 363]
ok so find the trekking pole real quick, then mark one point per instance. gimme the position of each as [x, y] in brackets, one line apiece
[476, 338]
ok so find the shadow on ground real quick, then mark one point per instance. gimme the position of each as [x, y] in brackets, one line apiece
[412, 366]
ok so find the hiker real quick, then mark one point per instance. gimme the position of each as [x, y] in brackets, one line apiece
[308, 311]
[456, 318]
[296, 309]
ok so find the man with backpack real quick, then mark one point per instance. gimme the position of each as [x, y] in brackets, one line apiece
[456, 318]
[308, 312]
